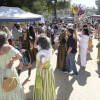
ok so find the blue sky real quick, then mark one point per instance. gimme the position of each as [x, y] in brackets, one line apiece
[87, 3]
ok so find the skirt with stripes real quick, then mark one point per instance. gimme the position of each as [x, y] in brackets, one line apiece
[47, 92]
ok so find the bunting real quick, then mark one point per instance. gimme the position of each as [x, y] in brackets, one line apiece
[78, 9]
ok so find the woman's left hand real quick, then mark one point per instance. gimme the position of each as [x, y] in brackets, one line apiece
[9, 66]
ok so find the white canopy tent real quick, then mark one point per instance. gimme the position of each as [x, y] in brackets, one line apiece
[15, 14]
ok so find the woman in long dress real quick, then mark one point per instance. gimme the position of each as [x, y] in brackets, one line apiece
[8, 55]
[83, 41]
[44, 90]
[61, 57]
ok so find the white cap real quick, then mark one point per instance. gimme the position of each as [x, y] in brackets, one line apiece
[70, 25]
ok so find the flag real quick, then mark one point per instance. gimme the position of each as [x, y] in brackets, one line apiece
[76, 8]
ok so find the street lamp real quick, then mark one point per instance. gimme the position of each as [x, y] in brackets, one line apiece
[55, 12]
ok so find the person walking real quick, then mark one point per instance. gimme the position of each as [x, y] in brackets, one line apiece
[71, 52]
[8, 55]
[24, 44]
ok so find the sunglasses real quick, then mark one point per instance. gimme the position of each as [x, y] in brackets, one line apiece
[24, 32]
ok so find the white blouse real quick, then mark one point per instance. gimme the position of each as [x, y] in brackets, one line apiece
[46, 53]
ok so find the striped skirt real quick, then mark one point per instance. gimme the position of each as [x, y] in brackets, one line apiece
[47, 92]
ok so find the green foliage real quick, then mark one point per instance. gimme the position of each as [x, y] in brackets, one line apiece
[25, 8]
[36, 6]
[49, 6]
[13, 3]
[63, 5]
[39, 6]
[98, 5]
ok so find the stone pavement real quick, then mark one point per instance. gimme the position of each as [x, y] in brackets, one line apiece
[84, 87]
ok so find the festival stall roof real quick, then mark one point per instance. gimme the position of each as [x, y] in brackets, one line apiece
[15, 14]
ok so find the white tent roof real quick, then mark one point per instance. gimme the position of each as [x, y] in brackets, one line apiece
[15, 14]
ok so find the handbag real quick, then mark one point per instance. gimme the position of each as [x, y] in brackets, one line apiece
[9, 84]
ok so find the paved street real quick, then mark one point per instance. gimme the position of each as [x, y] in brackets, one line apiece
[84, 87]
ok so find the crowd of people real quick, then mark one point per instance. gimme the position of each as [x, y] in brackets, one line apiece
[36, 43]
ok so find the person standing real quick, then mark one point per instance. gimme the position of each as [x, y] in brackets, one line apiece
[61, 57]
[40, 27]
[31, 32]
[16, 32]
[44, 88]
[83, 41]
[8, 55]
[24, 43]
[9, 35]
[71, 52]
[98, 45]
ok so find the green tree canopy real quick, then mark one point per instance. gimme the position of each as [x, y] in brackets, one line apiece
[98, 5]
[63, 5]
[36, 6]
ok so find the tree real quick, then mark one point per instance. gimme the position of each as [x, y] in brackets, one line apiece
[3, 2]
[36, 6]
[63, 5]
[98, 5]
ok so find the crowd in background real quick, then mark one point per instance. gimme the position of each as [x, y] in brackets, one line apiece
[36, 42]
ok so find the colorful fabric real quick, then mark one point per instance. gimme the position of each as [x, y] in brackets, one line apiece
[89, 43]
[17, 93]
[74, 11]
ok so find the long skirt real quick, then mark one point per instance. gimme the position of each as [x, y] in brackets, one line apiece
[47, 92]
[83, 56]
[61, 58]
[98, 54]
[17, 93]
